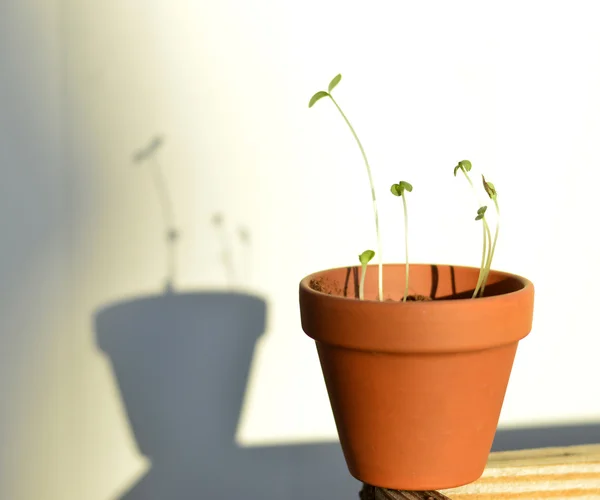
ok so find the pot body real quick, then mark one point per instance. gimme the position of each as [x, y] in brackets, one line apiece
[416, 388]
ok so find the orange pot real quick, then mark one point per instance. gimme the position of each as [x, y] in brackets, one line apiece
[416, 388]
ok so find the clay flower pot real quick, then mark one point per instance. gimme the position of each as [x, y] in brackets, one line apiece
[416, 388]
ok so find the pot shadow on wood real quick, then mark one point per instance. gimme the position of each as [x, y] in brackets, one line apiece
[181, 362]
[546, 436]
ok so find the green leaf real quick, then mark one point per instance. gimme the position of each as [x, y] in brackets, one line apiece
[398, 189]
[479, 217]
[406, 185]
[489, 188]
[366, 256]
[481, 210]
[333, 83]
[456, 169]
[316, 97]
[465, 164]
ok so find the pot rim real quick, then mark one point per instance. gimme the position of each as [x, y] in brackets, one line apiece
[305, 285]
[437, 326]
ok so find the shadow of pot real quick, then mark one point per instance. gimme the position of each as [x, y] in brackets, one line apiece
[181, 362]
[416, 388]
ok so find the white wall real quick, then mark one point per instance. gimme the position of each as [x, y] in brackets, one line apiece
[38, 413]
[512, 86]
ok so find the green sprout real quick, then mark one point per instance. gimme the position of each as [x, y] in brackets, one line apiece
[488, 247]
[364, 259]
[319, 95]
[400, 190]
[491, 192]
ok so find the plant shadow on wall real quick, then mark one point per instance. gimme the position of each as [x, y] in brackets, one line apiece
[181, 362]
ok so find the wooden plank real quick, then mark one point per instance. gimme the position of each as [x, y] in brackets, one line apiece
[559, 473]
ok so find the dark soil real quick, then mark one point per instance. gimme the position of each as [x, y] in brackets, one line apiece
[413, 298]
[417, 298]
[320, 285]
[317, 285]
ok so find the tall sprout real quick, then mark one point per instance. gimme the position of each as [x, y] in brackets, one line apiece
[400, 190]
[319, 95]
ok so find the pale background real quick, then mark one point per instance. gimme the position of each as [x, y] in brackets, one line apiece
[514, 86]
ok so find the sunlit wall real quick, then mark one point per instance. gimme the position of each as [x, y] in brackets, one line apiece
[512, 86]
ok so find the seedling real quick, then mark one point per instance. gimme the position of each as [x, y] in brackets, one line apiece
[364, 259]
[491, 192]
[488, 247]
[319, 95]
[400, 189]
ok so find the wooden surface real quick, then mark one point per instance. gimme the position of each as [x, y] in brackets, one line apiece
[369, 492]
[559, 473]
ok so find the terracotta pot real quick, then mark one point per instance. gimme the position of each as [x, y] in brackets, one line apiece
[416, 388]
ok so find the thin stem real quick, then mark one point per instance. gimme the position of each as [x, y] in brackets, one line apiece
[486, 246]
[379, 249]
[493, 249]
[481, 268]
[472, 186]
[361, 288]
[489, 243]
[168, 217]
[405, 246]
